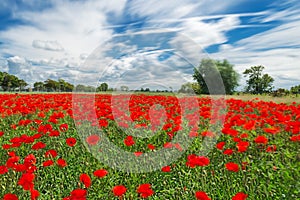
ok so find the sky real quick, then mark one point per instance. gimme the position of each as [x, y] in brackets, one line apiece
[152, 43]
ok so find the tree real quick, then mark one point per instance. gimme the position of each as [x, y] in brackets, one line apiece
[65, 86]
[258, 82]
[295, 90]
[190, 88]
[9, 82]
[51, 85]
[22, 84]
[102, 88]
[80, 88]
[38, 86]
[208, 72]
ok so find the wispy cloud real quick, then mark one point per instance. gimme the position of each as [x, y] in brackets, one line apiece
[47, 45]
[277, 49]
[78, 39]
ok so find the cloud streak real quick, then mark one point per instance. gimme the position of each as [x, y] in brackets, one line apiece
[56, 39]
[47, 45]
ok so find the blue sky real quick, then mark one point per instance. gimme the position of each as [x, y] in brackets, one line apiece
[147, 43]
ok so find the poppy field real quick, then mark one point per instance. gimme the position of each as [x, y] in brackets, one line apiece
[50, 147]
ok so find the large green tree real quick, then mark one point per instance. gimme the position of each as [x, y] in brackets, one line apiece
[10, 82]
[22, 84]
[51, 85]
[38, 86]
[258, 82]
[65, 86]
[103, 87]
[210, 71]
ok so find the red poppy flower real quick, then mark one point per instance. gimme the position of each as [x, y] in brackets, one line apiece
[295, 138]
[151, 146]
[272, 130]
[51, 153]
[6, 146]
[138, 153]
[1, 133]
[38, 145]
[54, 133]
[29, 160]
[220, 145]
[103, 123]
[48, 163]
[10, 196]
[79, 194]
[228, 152]
[63, 127]
[240, 196]
[61, 162]
[34, 194]
[242, 146]
[261, 139]
[128, 141]
[12, 161]
[71, 141]
[194, 160]
[86, 180]
[100, 173]
[119, 190]
[200, 195]
[168, 145]
[3, 169]
[145, 190]
[166, 169]
[232, 167]
[92, 139]
[26, 181]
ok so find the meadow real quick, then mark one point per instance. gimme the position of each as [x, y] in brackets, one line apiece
[51, 147]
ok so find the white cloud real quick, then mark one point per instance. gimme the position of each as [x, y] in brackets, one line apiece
[277, 49]
[77, 34]
[47, 45]
[78, 26]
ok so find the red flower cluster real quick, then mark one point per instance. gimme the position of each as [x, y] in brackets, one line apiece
[129, 141]
[145, 190]
[194, 160]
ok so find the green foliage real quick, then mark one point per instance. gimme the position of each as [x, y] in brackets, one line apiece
[10, 82]
[102, 88]
[53, 86]
[295, 90]
[209, 69]
[258, 83]
[38, 86]
[190, 88]
[84, 88]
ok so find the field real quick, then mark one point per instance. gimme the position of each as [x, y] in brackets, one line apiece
[64, 146]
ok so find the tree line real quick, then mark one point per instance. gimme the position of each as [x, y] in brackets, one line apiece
[204, 75]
